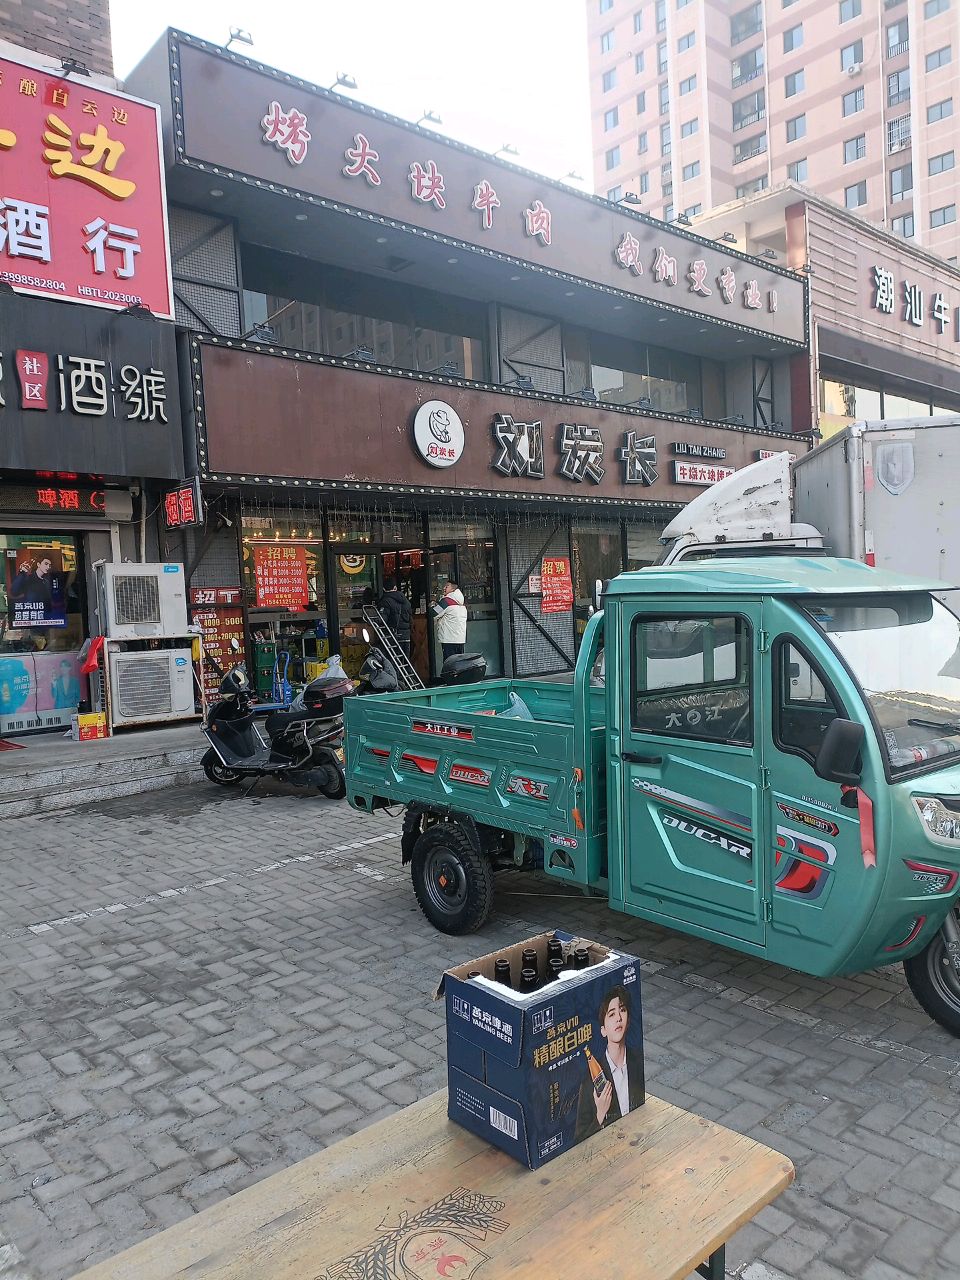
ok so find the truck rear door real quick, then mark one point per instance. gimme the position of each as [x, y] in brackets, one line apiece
[690, 751]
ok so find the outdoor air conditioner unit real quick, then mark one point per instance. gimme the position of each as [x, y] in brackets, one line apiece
[898, 146]
[855, 69]
[142, 601]
[150, 686]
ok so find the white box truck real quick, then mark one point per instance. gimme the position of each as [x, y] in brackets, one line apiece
[886, 493]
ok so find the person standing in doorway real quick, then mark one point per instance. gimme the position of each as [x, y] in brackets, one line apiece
[451, 615]
[396, 611]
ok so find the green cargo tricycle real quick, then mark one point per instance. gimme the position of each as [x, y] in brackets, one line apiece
[764, 753]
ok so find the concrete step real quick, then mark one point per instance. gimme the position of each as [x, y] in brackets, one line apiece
[39, 790]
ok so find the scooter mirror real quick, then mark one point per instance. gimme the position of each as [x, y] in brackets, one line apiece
[234, 644]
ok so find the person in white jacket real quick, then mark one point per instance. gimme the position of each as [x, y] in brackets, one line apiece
[451, 616]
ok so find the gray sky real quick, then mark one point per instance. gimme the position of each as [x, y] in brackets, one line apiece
[496, 71]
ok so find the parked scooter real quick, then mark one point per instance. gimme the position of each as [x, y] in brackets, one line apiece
[378, 674]
[305, 743]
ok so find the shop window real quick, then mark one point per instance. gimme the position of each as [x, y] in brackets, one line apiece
[627, 373]
[691, 678]
[41, 630]
[338, 312]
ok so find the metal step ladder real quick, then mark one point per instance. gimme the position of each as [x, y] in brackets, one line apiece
[406, 674]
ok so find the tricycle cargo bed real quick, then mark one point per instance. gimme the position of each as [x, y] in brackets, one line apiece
[453, 750]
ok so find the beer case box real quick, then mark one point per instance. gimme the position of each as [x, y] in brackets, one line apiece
[89, 726]
[517, 1071]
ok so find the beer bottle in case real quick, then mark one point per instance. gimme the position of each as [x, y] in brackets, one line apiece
[581, 958]
[596, 1072]
[528, 981]
[555, 968]
[555, 949]
[474, 973]
[530, 960]
[501, 972]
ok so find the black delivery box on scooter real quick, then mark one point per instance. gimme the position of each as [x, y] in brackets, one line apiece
[530, 1073]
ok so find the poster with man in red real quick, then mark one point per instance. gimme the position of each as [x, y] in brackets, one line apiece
[82, 203]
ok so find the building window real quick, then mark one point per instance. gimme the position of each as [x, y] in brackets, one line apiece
[612, 157]
[793, 84]
[637, 22]
[663, 89]
[793, 38]
[749, 110]
[642, 143]
[669, 213]
[682, 4]
[641, 102]
[898, 38]
[660, 15]
[797, 171]
[855, 148]
[665, 140]
[662, 58]
[901, 182]
[849, 9]
[941, 217]
[941, 163]
[904, 226]
[853, 102]
[939, 111]
[606, 6]
[898, 133]
[851, 55]
[638, 63]
[692, 210]
[606, 42]
[750, 147]
[686, 42]
[688, 85]
[856, 196]
[939, 58]
[746, 23]
[747, 67]
[898, 87]
[691, 171]
[932, 7]
[796, 128]
[609, 79]
[615, 194]
[611, 118]
[689, 128]
[749, 188]
[644, 182]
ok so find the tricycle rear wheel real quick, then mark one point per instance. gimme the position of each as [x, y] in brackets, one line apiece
[935, 983]
[453, 881]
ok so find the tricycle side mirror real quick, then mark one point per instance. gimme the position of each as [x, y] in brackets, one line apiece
[839, 755]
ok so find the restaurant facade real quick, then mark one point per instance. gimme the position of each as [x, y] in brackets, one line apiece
[90, 424]
[405, 359]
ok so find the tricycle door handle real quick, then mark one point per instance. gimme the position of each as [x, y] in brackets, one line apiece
[632, 757]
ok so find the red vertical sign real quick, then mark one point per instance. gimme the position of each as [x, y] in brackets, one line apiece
[557, 585]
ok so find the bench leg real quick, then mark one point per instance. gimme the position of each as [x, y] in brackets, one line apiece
[715, 1266]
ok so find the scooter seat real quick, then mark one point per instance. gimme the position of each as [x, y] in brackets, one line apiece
[277, 721]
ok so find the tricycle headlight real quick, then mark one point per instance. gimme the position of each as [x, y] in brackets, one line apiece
[940, 821]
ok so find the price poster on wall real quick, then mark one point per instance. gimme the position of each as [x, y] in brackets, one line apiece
[556, 585]
[281, 577]
[219, 627]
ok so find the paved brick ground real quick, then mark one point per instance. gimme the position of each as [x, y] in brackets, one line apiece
[197, 990]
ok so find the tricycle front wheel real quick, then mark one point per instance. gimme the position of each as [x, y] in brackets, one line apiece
[453, 881]
[934, 981]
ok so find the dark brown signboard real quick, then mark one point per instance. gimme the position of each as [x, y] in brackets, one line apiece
[345, 428]
[250, 123]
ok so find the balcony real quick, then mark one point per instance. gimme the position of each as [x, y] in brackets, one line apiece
[895, 99]
[759, 149]
[736, 37]
[745, 77]
[745, 121]
[895, 50]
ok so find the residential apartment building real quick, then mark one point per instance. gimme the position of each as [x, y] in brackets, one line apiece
[699, 102]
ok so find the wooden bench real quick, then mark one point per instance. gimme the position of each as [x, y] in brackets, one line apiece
[654, 1197]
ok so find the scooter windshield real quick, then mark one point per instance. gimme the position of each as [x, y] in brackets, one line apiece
[904, 651]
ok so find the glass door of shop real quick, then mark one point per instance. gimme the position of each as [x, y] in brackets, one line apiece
[357, 582]
[41, 630]
[407, 569]
[471, 565]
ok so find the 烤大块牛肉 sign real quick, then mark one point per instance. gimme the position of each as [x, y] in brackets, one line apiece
[82, 207]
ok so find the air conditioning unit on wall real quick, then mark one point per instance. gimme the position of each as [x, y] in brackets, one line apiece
[141, 601]
[855, 69]
[147, 687]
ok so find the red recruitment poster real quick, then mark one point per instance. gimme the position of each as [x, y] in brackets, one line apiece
[219, 627]
[281, 577]
[85, 213]
[557, 585]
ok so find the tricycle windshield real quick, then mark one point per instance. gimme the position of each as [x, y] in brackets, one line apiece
[904, 651]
